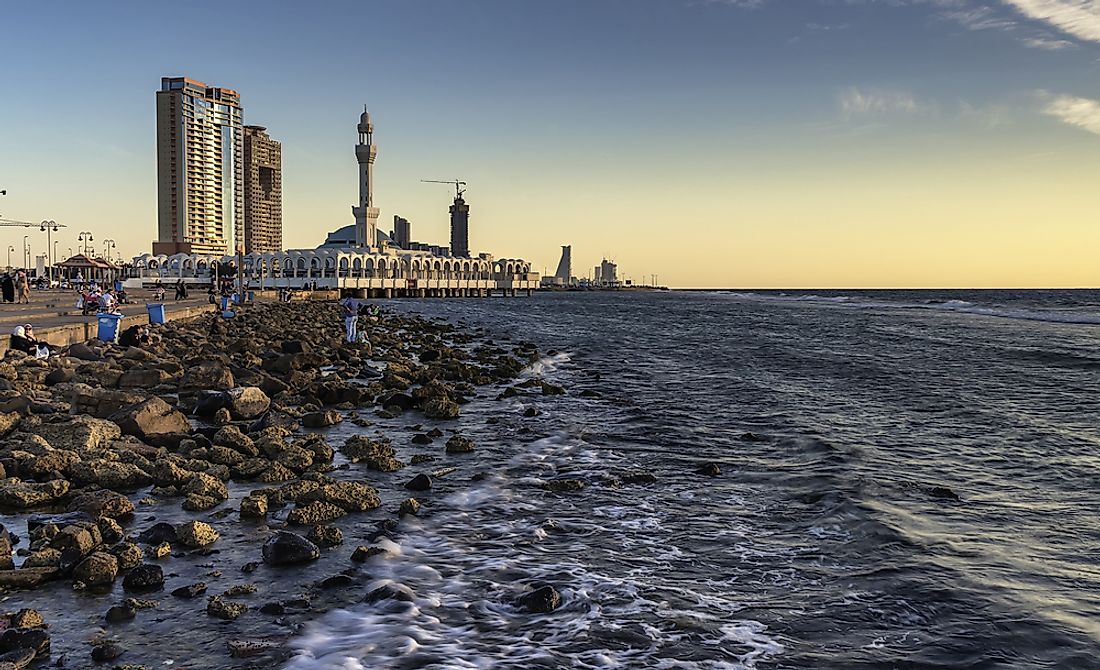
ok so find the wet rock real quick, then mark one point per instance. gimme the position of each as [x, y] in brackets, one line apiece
[233, 438]
[390, 591]
[753, 437]
[27, 618]
[34, 639]
[98, 569]
[248, 402]
[375, 454]
[273, 608]
[552, 389]
[82, 537]
[162, 550]
[419, 459]
[363, 554]
[151, 418]
[107, 651]
[6, 562]
[27, 577]
[145, 577]
[113, 475]
[251, 648]
[421, 438]
[19, 494]
[102, 503]
[398, 402]
[709, 470]
[531, 412]
[196, 534]
[190, 591]
[79, 433]
[337, 582]
[207, 375]
[542, 600]
[120, 613]
[284, 548]
[326, 536]
[322, 419]
[943, 493]
[254, 507]
[240, 590]
[348, 496]
[222, 609]
[409, 507]
[459, 445]
[110, 530]
[314, 513]
[222, 417]
[441, 409]
[157, 533]
[206, 486]
[421, 482]
[564, 485]
[638, 478]
[209, 403]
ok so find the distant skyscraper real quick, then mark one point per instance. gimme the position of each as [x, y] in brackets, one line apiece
[565, 265]
[366, 214]
[608, 272]
[597, 275]
[263, 192]
[460, 228]
[200, 172]
[401, 232]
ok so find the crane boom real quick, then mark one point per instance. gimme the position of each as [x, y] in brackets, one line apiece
[458, 184]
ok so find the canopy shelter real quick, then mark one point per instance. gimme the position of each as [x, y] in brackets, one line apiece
[89, 268]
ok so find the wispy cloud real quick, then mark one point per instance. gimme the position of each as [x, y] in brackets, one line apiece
[1079, 18]
[856, 101]
[1083, 113]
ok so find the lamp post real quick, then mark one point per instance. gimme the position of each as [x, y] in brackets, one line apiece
[26, 252]
[10, 249]
[85, 238]
[107, 246]
[49, 227]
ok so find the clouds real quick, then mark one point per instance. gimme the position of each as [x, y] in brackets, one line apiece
[1083, 113]
[854, 101]
[1079, 18]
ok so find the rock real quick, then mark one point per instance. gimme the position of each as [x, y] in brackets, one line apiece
[6, 562]
[421, 438]
[83, 352]
[552, 389]
[459, 445]
[251, 648]
[409, 507]
[254, 507]
[190, 591]
[142, 378]
[207, 375]
[391, 591]
[348, 496]
[102, 503]
[162, 550]
[248, 402]
[151, 418]
[337, 582]
[564, 485]
[273, 608]
[82, 537]
[284, 548]
[59, 376]
[129, 555]
[542, 600]
[106, 651]
[376, 454]
[943, 493]
[222, 417]
[221, 609]
[207, 486]
[322, 419]
[196, 534]
[8, 422]
[209, 403]
[157, 533]
[421, 482]
[441, 409]
[98, 569]
[27, 577]
[326, 536]
[145, 577]
[314, 513]
[398, 402]
[638, 478]
[20, 494]
[110, 530]
[531, 412]
[34, 639]
[113, 475]
[709, 470]
[27, 618]
[120, 613]
[363, 554]
[753, 437]
[232, 437]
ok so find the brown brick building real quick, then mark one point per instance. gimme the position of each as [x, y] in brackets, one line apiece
[263, 192]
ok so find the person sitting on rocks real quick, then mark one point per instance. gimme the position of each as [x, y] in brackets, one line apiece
[23, 339]
[136, 336]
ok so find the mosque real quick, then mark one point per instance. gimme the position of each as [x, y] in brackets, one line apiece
[359, 260]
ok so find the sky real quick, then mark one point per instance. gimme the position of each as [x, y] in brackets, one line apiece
[712, 143]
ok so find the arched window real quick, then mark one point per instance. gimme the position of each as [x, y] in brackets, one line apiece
[357, 267]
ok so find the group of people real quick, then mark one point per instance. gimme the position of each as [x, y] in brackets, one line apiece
[352, 310]
[16, 287]
[23, 339]
[96, 300]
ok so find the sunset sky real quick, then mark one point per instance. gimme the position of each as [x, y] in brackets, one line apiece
[714, 143]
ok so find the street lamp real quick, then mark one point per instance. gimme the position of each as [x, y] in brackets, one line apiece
[26, 252]
[10, 249]
[49, 227]
[85, 238]
[107, 246]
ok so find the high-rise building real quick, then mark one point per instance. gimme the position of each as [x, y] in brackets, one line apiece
[402, 236]
[460, 228]
[200, 172]
[565, 265]
[365, 213]
[597, 276]
[263, 192]
[608, 273]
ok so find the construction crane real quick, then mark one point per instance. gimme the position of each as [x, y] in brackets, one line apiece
[458, 185]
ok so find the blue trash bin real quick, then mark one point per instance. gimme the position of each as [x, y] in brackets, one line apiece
[228, 314]
[251, 296]
[118, 286]
[108, 327]
[236, 298]
[156, 312]
[225, 302]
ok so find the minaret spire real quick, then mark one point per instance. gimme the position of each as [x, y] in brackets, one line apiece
[366, 214]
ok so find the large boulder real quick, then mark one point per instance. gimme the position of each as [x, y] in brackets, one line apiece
[102, 503]
[17, 493]
[80, 433]
[141, 378]
[248, 402]
[441, 409]
[8, 422]
[207, 376]
[109, 474]
[542, 600]
[322, 419]
[196, 534]
[145, 577]
[151, 418]
[348, 496]
[285, 548]
[98, 569]
[100, 402]
[376, 454]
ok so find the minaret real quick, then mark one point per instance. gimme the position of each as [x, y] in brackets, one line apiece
[366, 214]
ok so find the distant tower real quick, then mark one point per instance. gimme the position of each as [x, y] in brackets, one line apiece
[366, 214]
[565, 265]
[460, 228]
[401, 232]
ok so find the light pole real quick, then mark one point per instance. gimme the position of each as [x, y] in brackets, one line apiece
[107, 246]
[49, 227]
[26, 252]
[10, 249]
[85, 238]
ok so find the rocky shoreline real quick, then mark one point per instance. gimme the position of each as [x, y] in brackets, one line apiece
[130, 476]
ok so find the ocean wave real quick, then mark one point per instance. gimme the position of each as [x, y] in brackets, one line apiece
[1029, 313]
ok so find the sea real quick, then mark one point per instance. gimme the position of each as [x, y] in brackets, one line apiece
[908, 479]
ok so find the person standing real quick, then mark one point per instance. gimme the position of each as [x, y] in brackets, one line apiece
[22, 288]
[181, 290]
[351, 320]
[7, 287]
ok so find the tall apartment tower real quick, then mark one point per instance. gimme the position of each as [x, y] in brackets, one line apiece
[565, 265]
[402, 232]
[365, 213]
[263, 192]
[200, 174]
[460, 228]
